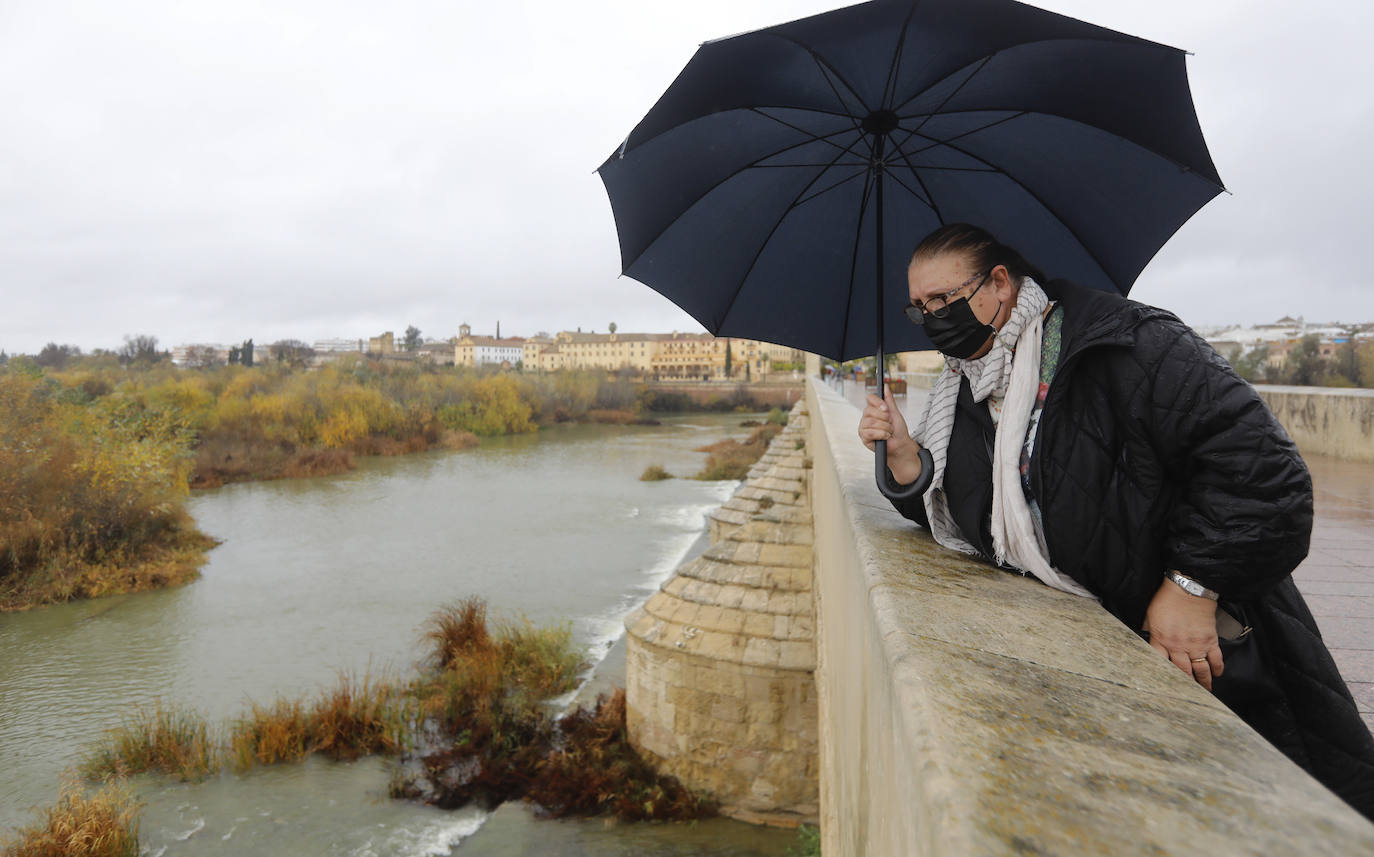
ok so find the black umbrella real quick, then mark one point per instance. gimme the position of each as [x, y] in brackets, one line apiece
[787, 172]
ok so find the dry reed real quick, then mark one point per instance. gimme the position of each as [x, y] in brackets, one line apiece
[654, 473]
[103, 824]
[731, 459]
[170, 741]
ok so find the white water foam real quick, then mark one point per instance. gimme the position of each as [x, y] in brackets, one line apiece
[693, 516]
[437, 839]
[197, 826]
[604, 631]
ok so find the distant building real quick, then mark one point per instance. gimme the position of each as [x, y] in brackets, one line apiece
[438, 353]
[339, 346]
[487, 350]
[1278, 338]
[200, 354]
[384, 344]
[607, 350]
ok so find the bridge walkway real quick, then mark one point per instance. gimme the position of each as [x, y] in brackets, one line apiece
[1336, 579]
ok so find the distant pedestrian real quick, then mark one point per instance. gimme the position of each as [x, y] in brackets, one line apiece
[1100, 445]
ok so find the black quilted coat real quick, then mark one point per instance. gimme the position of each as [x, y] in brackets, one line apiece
[1153, 454]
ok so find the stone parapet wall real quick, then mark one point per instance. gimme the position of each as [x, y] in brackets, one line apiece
[777, 480]
[720, 687]
[1325, 420]
[967, 711]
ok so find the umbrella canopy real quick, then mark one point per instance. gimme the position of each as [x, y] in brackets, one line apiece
[780, 184]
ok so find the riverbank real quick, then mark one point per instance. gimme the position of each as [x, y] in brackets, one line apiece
[96, 460]
[321, 576]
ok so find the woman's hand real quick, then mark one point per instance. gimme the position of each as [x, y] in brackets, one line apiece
[1183, 628]
[882, 421]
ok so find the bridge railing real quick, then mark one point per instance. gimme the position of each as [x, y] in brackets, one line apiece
[968, 711]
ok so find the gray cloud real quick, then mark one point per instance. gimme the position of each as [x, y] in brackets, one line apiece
[215, 171]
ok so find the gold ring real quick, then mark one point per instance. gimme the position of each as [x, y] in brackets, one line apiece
[1202, 660]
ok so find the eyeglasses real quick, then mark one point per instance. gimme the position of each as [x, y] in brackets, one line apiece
[916, 311]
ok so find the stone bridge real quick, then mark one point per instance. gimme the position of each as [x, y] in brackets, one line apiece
[824, 659]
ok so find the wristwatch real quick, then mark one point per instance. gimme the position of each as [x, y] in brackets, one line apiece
[1192, 587]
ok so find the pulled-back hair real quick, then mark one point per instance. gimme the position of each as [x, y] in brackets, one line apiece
[980, 245]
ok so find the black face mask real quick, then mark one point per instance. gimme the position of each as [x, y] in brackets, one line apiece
[959, 334]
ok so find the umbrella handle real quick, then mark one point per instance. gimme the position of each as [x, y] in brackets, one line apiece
[890, 489]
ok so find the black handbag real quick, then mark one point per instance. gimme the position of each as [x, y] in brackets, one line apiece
[1244, 678]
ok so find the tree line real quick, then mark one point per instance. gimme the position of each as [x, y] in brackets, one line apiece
[1351, 364]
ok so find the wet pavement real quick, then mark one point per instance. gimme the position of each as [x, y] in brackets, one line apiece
[1337, 578]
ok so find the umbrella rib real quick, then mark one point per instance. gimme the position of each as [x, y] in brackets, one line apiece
[854, 264]
[930, 197]
[813, 137]
[891, 86]
[823, 191]
[909, 190]
[1035, 196]
[769, 237]
[824, 67]
[958, 169]
[982, 65]
[839, 114]
[751, 165]
[936, 142]
[1022, 113]
[863, 164]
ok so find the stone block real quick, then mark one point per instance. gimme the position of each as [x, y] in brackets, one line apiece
[782, 603]
[754, 601]
[719, 646]
[746, 553]
[758, 625]
[731, 596]
[792, 556]
[762, 652]
[797, 655]
[728, 709]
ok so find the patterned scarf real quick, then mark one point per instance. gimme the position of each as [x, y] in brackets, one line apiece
[998, 374]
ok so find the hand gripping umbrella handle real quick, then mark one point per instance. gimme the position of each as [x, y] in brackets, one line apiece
[889, 488]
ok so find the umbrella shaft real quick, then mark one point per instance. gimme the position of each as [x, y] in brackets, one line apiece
[878, 145]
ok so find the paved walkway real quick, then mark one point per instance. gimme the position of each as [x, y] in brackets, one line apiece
[1337, 578]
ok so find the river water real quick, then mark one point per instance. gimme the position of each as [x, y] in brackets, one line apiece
[319, 576]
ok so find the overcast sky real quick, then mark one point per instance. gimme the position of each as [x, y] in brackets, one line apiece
[209, 171]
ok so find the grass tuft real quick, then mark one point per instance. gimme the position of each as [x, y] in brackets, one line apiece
[269, 735]
[103, 824]
[731, 459]
[473, 727]
[654, 473]
[358, 717]
[170, 741]
[456, 630]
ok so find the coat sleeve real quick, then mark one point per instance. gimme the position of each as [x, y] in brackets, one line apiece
[912, 508]
[1242, 520]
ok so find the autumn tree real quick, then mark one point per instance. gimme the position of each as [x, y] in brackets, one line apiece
[1305, 366]
[139, 349]
[56, 356]
[202, 356]
[292, 352]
